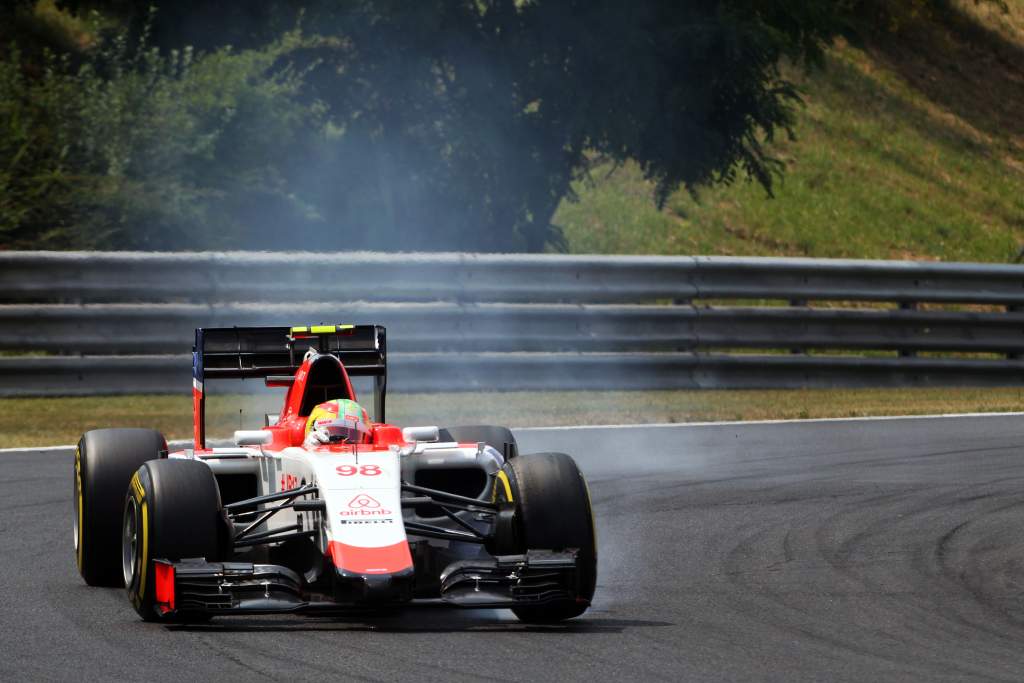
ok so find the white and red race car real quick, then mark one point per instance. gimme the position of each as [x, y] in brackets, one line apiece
[280, 524]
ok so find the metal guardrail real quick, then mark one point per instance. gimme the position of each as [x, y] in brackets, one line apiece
[216, 278]
[167, 328]
[96, 375]
[122, 322]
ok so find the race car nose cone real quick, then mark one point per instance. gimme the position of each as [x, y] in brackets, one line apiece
[354, 588]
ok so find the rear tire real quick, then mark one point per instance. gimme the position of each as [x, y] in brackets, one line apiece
[552, 512]
[104, 463]
[495, 437]
[172, 511]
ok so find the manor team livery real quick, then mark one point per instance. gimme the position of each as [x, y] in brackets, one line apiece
[326, 509]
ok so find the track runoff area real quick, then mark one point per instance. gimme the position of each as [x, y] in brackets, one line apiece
[841, 550]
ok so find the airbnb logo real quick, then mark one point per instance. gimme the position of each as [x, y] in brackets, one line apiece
[363, 501]
[364, 505]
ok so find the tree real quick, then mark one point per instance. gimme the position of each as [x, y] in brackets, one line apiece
[471, 118]
[461, 124]
[131, 149]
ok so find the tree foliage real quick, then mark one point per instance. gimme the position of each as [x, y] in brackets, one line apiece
[132, 149]
[460, 124]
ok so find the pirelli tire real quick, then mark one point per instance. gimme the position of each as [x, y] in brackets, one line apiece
[500, 439]
[172, 511]
[552, 512]
[104, 463]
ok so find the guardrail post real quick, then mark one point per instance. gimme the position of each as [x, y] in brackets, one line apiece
[1011, 308]
[903, 352]
[798, 303]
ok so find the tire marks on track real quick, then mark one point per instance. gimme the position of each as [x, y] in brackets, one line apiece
[840, 551]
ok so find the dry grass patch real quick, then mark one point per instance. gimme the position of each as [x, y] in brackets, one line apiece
[59, 421]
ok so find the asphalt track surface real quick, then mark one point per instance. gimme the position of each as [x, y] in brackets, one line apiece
[832, 551]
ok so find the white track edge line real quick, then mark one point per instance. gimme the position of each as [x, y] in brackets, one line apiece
[726, 423]
[662, 425]
[34, 448]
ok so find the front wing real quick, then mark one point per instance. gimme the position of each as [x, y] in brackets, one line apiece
[197, 587]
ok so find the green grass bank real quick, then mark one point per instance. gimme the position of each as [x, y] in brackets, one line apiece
[910, 145]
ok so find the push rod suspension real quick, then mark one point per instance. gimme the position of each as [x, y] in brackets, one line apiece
[431, 531]
[270, 498]
[292, 494]
[261, 540]
[445, 496]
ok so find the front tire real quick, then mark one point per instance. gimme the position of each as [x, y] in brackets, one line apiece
[552, 512]
[104, 463]
[172, 511]
[500, 439]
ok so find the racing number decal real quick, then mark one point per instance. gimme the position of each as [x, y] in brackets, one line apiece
[364, 470]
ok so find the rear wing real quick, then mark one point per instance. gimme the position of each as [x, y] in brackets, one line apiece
[265, 352]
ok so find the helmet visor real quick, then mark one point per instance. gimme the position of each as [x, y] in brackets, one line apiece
[342, 431]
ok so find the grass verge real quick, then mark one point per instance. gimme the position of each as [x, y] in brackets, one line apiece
[910, 145]
[57, 421]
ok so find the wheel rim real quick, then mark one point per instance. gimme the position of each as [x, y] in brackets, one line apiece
[130, 541]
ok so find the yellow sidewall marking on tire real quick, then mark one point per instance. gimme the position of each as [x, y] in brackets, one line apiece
[144, 558]
[81, 508]
[503, 478]
[140, 498]
[137, 486]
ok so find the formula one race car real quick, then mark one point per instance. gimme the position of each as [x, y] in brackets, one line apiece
[325, 510]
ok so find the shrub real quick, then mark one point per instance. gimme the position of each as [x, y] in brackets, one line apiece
[130, 148]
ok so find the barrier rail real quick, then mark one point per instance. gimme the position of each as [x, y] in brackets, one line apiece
[213, 278]
[121, 322]
[167, 328]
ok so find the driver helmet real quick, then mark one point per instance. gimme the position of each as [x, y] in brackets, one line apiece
[338, 421]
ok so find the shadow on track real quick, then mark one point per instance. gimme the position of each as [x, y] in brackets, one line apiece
[415, 622]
